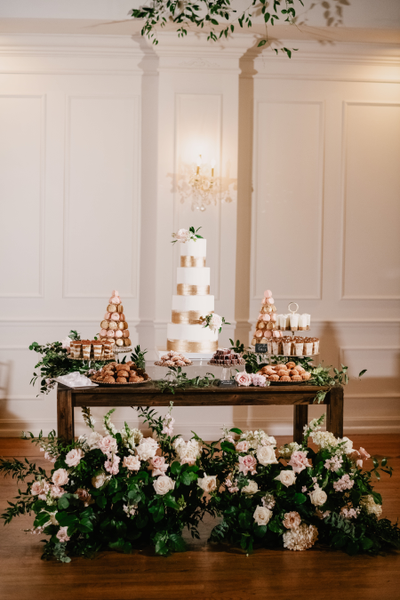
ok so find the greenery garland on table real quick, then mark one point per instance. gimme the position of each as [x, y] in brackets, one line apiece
[176, 379]
[218, 13]
[122, 491]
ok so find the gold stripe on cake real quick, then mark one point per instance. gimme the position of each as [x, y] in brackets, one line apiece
[195, 347]
[184, 289]
[193, 261]
[189, 317]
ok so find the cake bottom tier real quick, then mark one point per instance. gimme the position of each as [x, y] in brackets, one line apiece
[191, 338]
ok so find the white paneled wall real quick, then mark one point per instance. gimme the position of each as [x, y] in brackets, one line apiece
[96, 132]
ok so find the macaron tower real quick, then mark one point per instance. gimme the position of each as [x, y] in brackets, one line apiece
[114, 328]
[266, 327]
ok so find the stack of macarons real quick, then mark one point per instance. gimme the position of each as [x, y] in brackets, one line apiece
[266, 322]
[114, 327]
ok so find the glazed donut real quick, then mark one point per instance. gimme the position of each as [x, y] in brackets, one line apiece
[112, 325]
[118, 334]
[120, 308]
[125, 333]
[266, 318]
[111, 308]
[107, 316]
[115, 300]
[110, 333]
[127, 342]
[104, 324]
[103, 333]
[267, 294]
[119, 342]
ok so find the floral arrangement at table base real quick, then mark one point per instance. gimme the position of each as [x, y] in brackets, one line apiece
[122, 491]
[303, 497]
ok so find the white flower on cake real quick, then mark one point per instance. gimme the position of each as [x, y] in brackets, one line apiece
[214, 322]
[184, 235]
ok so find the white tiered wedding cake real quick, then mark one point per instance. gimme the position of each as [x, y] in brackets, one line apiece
[193, 301]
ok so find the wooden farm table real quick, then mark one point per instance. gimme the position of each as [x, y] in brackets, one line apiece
[298, 396]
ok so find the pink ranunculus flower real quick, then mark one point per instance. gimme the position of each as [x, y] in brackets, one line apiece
[56, 491]
[298, 461]
[243, 379]
[108, 444]
[60, 477]
[62, 534]
[111, 465]
[132, 463]
[158, 466]
[242, 446]
[258, 380]
[247, 464]
[74, 457]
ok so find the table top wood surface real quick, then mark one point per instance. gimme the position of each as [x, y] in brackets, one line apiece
[150, 395]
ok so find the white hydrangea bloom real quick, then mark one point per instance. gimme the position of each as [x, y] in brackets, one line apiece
[301, 538]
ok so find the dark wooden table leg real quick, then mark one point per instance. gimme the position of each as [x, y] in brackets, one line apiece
[334, 411]
[65, 415]
[300, 418]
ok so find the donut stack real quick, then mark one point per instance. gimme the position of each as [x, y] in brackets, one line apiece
[114, 328]
[266, 327]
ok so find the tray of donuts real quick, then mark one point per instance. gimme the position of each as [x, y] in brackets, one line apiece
[120, 374]
[285, 374]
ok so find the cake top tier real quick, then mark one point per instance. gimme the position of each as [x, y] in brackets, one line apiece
[194, 248]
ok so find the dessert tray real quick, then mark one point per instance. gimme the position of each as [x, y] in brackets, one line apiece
[117, 384]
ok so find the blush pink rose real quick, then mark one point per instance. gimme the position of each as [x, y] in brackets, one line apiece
[291, 520]
[243, 378]
[247, 464]
[242, 446]
[40, 488]
[298, 461]
[108, 444]
[158, 466]
[74, 457]
[60, 477]
[132, 463]
[56, 491]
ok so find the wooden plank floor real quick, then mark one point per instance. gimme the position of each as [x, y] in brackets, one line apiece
[206, 572]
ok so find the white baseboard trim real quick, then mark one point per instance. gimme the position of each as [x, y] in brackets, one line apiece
[352, 425]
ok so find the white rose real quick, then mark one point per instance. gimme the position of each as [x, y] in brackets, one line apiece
[73, 457]
[99, 480]
[215, 322]
[60, 477]
[108, 444]
[146, 449]
[262, 515]
[266, 455]
[318, 497]
[287, 478]
[93, 439]
[251, 488]
[163, 485]
[208, 483]
[182, 235]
